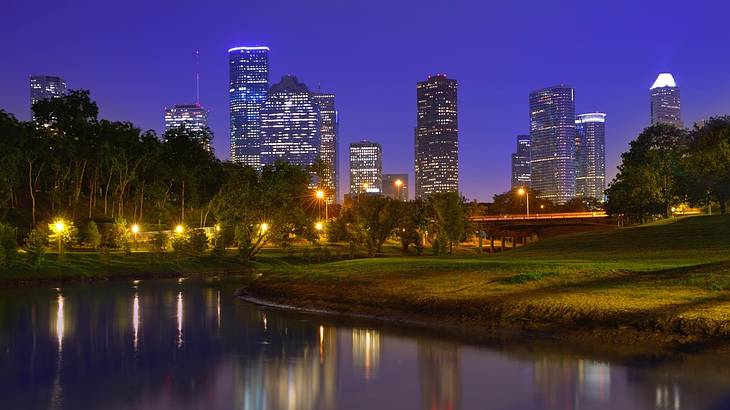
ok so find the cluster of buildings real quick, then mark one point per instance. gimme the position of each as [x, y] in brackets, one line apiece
[564, 156]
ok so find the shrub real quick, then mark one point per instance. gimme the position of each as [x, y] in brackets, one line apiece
[159, 242]
[35, 245]
[93, 237]
[197, 242]
[8, 244]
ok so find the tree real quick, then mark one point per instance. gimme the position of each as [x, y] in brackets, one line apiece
[270, 206]
[450, 218]
[35, 246]
[8, 244]
[370, 220]
[411, 223]
[706, 166]
[647, 180]
[93, 237]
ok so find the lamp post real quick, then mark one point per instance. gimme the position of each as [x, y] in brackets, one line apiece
[320, 195]
[135, 231]
[398, 184]
[523, 191]
[58, 227]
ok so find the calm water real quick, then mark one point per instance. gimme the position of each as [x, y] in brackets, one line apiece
[192, 345]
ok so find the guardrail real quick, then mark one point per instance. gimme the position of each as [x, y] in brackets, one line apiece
[564, 215]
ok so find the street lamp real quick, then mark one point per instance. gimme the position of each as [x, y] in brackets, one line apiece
[58, 227]
[523, 191]
[320, 195]
[264, 227]
[398, 184]
[319, 226]
[135, 231]
[179, 229]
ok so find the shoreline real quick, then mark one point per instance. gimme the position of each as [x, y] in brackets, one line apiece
[649, 334]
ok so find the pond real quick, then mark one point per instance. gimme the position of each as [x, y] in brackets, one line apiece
[191, 344]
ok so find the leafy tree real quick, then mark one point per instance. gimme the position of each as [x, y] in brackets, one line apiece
[411, 224]
[8, 244]
[159, 242]
[267, 206]
[647, 180]
[707, 163]
[370, 220]
[450, 218]
[93, 237]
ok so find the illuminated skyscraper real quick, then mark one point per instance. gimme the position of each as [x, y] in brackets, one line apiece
[191, 116]
[328, 130]
[552, 143]
[590, 180]
[366, 168]
[290, 129]
[665, 105]
[436, 137]
[521, 163]
[396, 186]
[249, 83]
[43, 87]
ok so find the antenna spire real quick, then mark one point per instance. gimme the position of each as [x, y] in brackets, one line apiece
[197, 77]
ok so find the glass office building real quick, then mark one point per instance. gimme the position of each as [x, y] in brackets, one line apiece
[248, 86]
[521, 163]
[290, 128]
[552, 143]
[590, 180]
[664, 100]
[436, 137]
[328, 130]
[366, 168]
[44, 87]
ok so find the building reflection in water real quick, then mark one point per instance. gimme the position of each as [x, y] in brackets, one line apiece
[566, 383]
[303, 378]
[439, 369]
[366, 345]
[135, 321]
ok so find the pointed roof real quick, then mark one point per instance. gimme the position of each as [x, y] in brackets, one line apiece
[664, 80]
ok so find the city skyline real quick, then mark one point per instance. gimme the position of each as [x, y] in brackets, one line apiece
[493, 82]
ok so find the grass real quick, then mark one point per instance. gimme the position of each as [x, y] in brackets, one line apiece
[671, 277]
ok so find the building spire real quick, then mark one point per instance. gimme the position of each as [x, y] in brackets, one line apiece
[197, 77]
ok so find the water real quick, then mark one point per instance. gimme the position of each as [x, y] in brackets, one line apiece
[193, 345]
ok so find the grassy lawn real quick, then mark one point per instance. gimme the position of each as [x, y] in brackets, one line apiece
[672, 276]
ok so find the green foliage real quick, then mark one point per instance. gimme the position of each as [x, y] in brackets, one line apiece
[450, 218]
[35, 246]
[93, 237]
[411, 224]
[159, 242]
[706, 163]
[197, 242]
[277, 198]
[369, 220]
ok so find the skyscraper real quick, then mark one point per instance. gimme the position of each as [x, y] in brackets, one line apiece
[436, 137]
[366, 168]
[43, 87]
[521, 163]
[665, 105]
[328, 130]
[552, 146]
[248, 85]
[590, 180]
[290, 129]
[396, 186]
[191, 116]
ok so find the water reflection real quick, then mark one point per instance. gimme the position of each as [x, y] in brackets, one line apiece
[228, 354]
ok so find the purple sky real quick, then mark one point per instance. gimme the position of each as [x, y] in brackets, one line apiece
[137, 57]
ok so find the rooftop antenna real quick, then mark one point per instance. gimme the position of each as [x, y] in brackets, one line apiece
[197, 77]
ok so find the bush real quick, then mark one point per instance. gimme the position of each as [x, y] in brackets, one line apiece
[93, 237]
[197, 242]
[35, 245]
[8, 244]
[159, 242]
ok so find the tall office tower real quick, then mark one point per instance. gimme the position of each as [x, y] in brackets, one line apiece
[396, 186]
[665, 105]
[248, 85]
[521, 163]
[590, 155]
[191, 116]
[552, 143]
[436, 137]
[366, 159]
[43, 87]
[328, 130]
[290, 124]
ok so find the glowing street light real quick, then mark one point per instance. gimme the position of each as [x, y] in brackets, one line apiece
[523, 191]
[179, 229]
[398, 184]
[59, 226]
[264, 227]
[319, 226]
[319, 194]
[135, 229]
[217, 227]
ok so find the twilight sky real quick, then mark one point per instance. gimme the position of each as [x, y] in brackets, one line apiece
[137, 57]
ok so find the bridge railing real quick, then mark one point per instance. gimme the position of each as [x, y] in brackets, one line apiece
[562, 215]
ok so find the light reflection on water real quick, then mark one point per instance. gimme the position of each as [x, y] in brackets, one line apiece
[192, 345]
